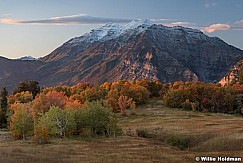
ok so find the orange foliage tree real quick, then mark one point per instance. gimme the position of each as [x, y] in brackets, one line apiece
[43, 102]
[111, 99]
[124, 102]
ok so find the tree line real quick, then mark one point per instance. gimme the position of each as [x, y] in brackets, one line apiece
[87, 110]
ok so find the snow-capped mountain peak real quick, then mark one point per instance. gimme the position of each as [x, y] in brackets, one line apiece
[136, 23]
[27, 58]
[110, 31]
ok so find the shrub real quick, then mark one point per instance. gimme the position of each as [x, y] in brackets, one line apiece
[124, 102]
[186, 105]
[40, 134]
[180, 141]
[195, 106]
[145, 133]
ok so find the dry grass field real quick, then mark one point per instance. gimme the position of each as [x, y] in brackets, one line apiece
[152, 133]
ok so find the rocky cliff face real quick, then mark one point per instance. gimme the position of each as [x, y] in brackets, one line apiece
[233, 75]
[136, 51]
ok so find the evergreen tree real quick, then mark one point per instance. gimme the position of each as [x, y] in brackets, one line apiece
[31, 86]
[4, 100]
[3, 108]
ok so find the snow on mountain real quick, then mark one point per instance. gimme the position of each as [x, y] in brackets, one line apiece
[135, 23]
[27, 58]
[110, 31]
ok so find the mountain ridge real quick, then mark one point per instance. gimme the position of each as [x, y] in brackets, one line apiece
[139, 50]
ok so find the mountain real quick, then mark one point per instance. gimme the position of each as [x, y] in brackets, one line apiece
[79, 44]
[138, 50]
[27, 58]
[14, 71]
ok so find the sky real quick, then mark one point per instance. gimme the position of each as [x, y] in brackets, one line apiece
[37, 27]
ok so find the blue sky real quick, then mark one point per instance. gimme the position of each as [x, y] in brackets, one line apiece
[37, 27]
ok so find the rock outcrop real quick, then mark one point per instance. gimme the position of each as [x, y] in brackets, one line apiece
[233, 76]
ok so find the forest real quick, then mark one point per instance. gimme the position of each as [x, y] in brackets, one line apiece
[89, 110]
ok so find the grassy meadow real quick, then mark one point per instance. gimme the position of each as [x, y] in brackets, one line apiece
[151, 133]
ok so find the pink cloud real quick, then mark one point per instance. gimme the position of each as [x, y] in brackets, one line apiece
[181, 23]
[9, 21]
[217, 27]
[73, 19]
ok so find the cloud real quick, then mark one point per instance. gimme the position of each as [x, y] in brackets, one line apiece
[9, 21]
[217, 27]
[209, 5]
[73, 19]
[181, 24]
[84, 19]
[157, 21]
[240, 22]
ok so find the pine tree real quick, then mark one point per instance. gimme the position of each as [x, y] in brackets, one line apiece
[3, 108]
[31, 86]
[4, 100]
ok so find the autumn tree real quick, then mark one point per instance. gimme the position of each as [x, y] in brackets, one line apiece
[73, 104]
[111, 99]
[41, 134]
[124, 102]
[93, 94]
[21, 121]
[106, 86]
[22, 97]
[43, 102]
[203, 97]
[60, 88]
[154, 87]
[80, 87]
[139, 94]
[241, 74]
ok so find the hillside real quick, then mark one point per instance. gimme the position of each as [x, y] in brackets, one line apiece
[163, 131]
[14, 71]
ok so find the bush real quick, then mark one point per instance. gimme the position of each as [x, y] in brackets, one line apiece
[186, 105]
[144, 133]
[41, 134]
[180, 141]
[195, 106]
